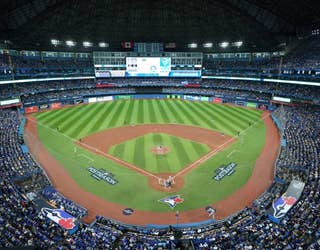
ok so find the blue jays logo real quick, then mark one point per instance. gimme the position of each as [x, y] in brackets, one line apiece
[61, 217]
[172, 201]
[282, 205]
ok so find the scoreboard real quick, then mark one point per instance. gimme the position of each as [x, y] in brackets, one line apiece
[132, 64]
[148, 66]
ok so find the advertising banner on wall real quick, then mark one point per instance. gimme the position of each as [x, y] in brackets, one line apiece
[204, 98]
[92, 99]
[217, 100]
[32, 109]
[251, 105]
[123, 96]
[282, 205]
[173, 96]
[104, 73]
[104, 85]
[240, 103]
[104, 98]
[185, 73]
[191, 98]
[56, 105]
[10, 103]
[44, 106]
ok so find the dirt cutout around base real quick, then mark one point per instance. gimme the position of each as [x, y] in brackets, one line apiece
[259, 181]
[160, 150]
[159, 184]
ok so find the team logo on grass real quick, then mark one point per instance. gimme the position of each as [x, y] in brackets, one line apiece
[172, 201]
[101, 174]
[224, 171]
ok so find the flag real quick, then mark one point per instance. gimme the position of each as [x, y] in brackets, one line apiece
[127, 45]
[60, 217]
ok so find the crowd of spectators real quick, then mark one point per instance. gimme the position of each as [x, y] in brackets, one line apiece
[302, 133]
[274, 89]
[301, 62]
[15, 90]
[21, 223]
[305, 57]
[21, 66]
[14, 163]
[62, 95]
[218, 93]
[61, 90]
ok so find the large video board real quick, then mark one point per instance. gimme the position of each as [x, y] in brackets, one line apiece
[148, 66]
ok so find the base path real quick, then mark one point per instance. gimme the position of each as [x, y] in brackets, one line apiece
[100, 143]
[105, 139]
[260, 180]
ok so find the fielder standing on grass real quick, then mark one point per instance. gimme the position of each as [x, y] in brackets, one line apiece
[177, 217]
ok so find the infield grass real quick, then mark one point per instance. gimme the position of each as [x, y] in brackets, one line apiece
[138, 151]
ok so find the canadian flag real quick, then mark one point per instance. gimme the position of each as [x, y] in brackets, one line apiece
[127, 45]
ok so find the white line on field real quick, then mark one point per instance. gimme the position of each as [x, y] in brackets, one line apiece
[85, 156]
[233, 151]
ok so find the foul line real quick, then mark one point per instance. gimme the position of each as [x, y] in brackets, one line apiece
[126, 164]
[213, 152]
[85, 156]
[233, 151]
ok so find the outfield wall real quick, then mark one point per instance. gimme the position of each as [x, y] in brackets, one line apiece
[238, 101]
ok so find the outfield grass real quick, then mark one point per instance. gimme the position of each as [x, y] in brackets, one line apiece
[138, 152]
[132, 190]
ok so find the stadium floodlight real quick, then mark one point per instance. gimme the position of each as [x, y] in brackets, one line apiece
[207, 45]
[103, 45]
[70, 43]
[192, 45]
[238, 44]
[55, 42]
[87, 44]
[224, 45]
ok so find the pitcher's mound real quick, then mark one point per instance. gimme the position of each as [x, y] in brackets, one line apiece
[160, 150]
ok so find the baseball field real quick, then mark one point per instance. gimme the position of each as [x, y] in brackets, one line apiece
[63, 132]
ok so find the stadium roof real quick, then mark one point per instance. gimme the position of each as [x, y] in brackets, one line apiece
[261, 24]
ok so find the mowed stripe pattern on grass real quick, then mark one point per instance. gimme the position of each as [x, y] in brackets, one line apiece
[138, 151]
[199, 189]
[83, 120]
